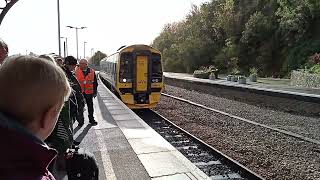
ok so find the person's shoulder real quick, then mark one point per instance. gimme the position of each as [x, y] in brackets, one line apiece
[65, 70]
[91, 70]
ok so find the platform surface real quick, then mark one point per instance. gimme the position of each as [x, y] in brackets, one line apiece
[310, 92]
[127, 148]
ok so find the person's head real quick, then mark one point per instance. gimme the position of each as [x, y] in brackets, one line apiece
[3, 51]
[59, 61]
[83, 64]
[49, 58]
[33, 92]
[70, 62]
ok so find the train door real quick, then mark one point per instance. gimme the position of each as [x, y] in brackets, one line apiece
[142, 74]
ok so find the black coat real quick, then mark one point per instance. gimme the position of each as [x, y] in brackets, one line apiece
[77, 100]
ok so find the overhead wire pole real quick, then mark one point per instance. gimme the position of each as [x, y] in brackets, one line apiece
[77, 43]
[64, 49]
[83, 27]
[65, 46]
[59, 41]
[84, 49]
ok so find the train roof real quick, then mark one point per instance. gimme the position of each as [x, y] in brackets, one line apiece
[131, 48]
[137, 47]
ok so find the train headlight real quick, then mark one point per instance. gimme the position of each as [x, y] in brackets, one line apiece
[124, 80]
[155, 80]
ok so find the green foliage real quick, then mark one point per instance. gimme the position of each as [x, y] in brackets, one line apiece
[97, 57]
[258, 28]
[315, 69]
[275, 36]
[295, 18]
[253, 71]
[298, 56]
[235, 71]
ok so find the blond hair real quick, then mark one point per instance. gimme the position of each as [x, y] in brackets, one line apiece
[30, 86]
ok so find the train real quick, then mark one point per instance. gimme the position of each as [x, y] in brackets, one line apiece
[134, 74]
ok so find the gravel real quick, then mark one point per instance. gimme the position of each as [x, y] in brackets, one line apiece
[268, 153]
[304, 125]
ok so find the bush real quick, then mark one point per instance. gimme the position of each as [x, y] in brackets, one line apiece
[235, 71]
[314, 59]
[253, 71]
[298, 55]
[315, 69]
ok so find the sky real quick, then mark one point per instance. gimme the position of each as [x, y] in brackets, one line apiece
[32, 25]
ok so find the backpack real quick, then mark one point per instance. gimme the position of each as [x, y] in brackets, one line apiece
[81, 165]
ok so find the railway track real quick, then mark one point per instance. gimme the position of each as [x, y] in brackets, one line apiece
[288, 133]
[211, 161]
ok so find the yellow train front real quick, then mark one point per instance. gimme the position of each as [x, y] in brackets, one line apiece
[135, 75]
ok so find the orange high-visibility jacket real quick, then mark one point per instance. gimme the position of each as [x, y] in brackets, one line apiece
[86, 83]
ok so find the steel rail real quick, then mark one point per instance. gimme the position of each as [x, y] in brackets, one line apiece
[289, 133]
[233, 164]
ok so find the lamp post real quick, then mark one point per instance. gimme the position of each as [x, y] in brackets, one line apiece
[92, 52]
[58, 8]
[77, 36]
[84, 49]
[65, 46]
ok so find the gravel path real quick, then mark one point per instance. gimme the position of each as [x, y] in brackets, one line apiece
[270, 154]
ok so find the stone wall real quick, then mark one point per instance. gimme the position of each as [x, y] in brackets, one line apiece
[303, 79]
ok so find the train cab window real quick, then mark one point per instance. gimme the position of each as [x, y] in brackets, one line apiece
[156, 67]
[125, 71]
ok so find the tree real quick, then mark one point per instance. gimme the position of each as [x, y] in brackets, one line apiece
[294, 19]
[274, 36]
[96, 58]
[6, 8]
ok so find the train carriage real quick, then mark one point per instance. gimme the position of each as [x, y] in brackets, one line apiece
[135, 75]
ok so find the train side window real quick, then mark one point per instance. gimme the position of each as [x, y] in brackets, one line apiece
[125, 72]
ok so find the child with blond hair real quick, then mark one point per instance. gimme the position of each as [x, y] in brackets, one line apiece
[32, 94]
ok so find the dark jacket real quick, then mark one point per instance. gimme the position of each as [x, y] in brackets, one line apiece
[23, 156]
[95, 82]
[61, 137]
[76, 88]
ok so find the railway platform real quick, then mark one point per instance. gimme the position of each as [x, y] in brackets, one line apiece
[281, 88]
[125, 147]
[278, 97]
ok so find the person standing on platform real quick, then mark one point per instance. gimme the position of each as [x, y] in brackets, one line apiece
[70, 64]
[3, 51]
[88, 82]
